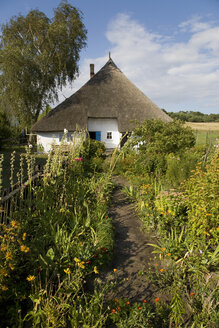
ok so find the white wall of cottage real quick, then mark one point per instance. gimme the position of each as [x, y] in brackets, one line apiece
[105, 125]
[45, 140]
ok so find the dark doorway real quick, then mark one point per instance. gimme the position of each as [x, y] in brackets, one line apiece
[96, 135]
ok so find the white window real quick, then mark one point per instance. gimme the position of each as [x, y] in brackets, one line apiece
[109, 135]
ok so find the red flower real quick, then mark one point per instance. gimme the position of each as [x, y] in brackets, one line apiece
[157, 299]
[118, 308]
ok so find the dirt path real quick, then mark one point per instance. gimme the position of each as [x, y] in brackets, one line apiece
[131, 251]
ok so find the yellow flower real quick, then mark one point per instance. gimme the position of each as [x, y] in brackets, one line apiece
[14, 224]
[4, 288]
[8, 256]
[31, 278]
[114, 270]
[161, 270]
[3, 272]
[77, 260]
[95, 270]
[3, 247]
[11, 266]
[81, 265]
[24, 248]
[67, 271]
[24, 236]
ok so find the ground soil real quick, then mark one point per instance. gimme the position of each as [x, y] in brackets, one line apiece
[131, 252]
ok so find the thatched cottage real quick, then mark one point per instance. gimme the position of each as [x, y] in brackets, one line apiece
[106, 106]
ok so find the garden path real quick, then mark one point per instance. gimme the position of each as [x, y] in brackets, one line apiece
[131, 252]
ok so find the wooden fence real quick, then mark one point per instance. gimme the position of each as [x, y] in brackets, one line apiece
[14, 199]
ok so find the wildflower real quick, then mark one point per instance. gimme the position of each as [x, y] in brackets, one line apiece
[31, 278]
[81, 265]
[144, 301]
[127, 303]
[192, 294]
[14, 224]
[77, 260]
[4, 288]
[8, 256]
[88, 262]
[207, 214]
[67, 271]
[24, 236]
[161, 270]
[3, 272]
[24, 248]
[163, 249]
[95, 270]
[113, 310]
[95, 255]
[114, 270]
[139, 307]
[3, 247]
[168, 254]
[156, 264]
[116, 300]
[11, 266]
[118, 308]
[157, 299]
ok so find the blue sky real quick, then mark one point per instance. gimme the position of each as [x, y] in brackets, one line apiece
[168, 48]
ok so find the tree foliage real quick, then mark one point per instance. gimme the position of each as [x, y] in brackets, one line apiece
[159, 137]
[190, 116]
[38, 55]
[5, 130]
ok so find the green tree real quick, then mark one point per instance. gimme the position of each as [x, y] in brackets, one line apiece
[5, 130]
[165, 138]
[38, 56]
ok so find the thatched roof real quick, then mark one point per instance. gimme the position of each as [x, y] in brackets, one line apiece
[108, 94]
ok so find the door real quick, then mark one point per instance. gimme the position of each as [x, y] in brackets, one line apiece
[98, 135]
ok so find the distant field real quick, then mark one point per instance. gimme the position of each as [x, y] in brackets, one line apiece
[211, 126]
[206, 133]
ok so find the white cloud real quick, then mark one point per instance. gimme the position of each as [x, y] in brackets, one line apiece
[175, 75]
[194, 25]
